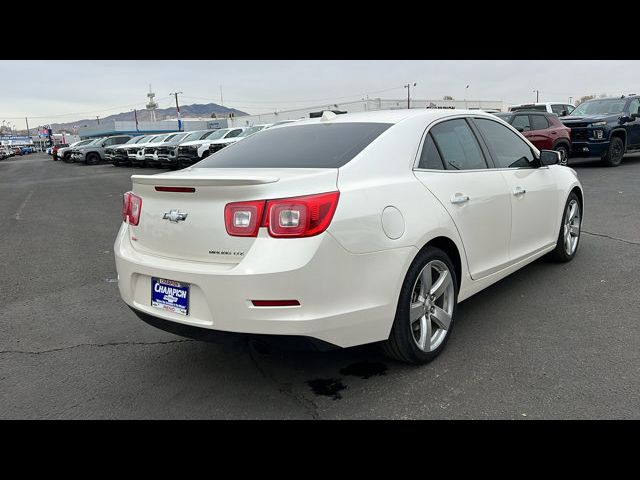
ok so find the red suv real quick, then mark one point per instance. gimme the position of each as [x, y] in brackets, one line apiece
[542, 129]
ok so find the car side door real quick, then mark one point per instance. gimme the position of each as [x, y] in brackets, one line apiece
[542, 132]
[633, 128]
[533, 189]
[453, 167]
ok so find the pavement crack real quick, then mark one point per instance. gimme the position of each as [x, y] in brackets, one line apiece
[285, 388]
[630, 242]
[99, 345]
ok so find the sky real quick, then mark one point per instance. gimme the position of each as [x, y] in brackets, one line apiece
[49, 91]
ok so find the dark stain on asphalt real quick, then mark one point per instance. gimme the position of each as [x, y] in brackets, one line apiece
[328, 387]
[364, 369]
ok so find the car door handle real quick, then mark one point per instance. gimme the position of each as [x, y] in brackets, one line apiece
[519, 191]
[459, 198]
[554, 133]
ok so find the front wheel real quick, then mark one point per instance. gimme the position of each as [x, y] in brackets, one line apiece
[569, 235]
[564, 151]
[92, 159]
[426, 308]
[614, 155]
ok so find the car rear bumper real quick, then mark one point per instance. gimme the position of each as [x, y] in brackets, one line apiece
[345, 299]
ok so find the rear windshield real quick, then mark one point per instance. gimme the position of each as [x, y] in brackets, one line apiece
[299, 146]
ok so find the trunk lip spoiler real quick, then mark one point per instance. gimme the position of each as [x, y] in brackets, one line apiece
[211, 181]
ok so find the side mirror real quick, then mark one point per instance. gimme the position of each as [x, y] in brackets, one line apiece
[563, 113]
[551, 157]
[520, 129]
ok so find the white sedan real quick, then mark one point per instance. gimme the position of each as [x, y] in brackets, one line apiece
[345, 230]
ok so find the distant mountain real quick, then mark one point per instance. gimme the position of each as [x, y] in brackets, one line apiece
[186, 111]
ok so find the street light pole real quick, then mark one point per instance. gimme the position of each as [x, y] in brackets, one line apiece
[537, 95]
[408, 87]
[178, 109]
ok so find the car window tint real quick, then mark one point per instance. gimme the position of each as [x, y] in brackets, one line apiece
[539, 122]
[521, 122]
[509, 149]
[458, 146]
[570, 108]
[430, 158]
[298, 146]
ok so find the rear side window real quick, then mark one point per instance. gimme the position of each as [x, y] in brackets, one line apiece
[430, 157]
[507, 148]
[458, 146]
[539, 122]
[521, 123]
[299, 146]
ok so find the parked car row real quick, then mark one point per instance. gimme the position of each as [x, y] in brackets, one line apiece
[172, 150]
[7, 151]
[604, 128]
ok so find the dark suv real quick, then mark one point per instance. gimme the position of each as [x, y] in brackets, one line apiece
[606, 128]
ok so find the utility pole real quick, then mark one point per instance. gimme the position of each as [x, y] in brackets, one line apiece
[537, 95]
[27, 122]
[135, 114]
[178, 109]
[221, 100]
[408, 87]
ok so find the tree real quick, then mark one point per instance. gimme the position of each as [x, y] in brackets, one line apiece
[584, 99]
[448, 97]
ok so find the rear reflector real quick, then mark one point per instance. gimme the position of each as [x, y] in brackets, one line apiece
[275, 303]
[176, 189]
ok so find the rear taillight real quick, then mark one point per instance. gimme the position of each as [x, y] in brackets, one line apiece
[285, 218]
[242, 219]
[131, 208]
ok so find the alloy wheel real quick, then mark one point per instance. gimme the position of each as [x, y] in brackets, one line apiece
[432, 303]
[572, 227]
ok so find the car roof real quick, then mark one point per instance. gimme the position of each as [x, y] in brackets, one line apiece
[393, 116]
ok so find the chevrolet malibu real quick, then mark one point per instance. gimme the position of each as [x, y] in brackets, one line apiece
[345, 230]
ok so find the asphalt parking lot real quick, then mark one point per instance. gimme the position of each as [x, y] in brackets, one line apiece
[551, 341]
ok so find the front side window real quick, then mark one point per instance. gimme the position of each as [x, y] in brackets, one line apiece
[508, 149]
[430, 157]
[633, 106]
[458, 146]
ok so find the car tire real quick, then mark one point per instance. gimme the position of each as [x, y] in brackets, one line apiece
[614, 155]
[418, 334]
[563, 148]
[569, 234]
[92, 159]
[68, 159]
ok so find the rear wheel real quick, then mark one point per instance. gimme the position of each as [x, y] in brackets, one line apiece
[569, 235]
[92, 159]
[426, 308]
[614, 155]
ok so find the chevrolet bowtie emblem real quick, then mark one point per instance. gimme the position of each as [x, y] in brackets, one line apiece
[174, 216]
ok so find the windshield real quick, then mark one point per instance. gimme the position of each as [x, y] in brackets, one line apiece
[250, 131]
[600, 107]
[83, 142]
[178, 138]
[133, 140]
[97, 140]
[540, 108]
[196, 135]
[299, 146]
[158, 139]
[142, 139]
[216, 134]
[504, 116]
